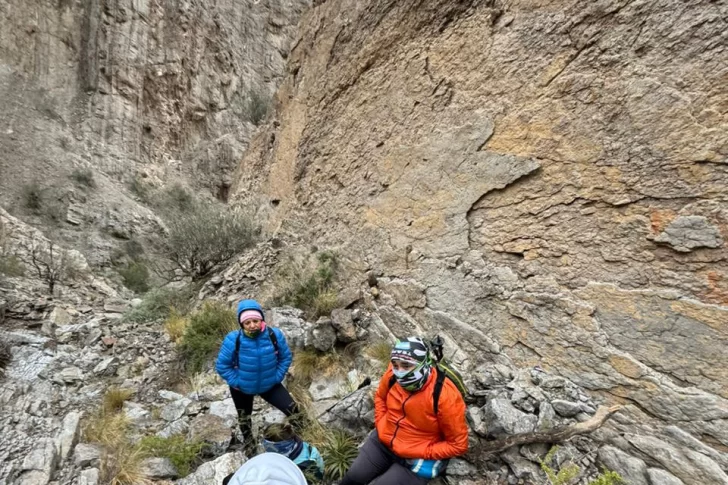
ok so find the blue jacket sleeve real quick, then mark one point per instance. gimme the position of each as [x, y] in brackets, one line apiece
[284, 356]
[224, 364]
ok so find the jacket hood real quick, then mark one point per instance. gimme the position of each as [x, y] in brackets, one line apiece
[249, 305]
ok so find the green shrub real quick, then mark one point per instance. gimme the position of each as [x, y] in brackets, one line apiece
[11, 266]
[135, 276]
[32, 195]
[258, 106]
[309, 286]
[204, 334]
[158, 304]
[183, 454]
[608, 477]
[84, 176]
[178, 198]
[207, 236]
[141, 189]
[338, 452]
[564, 475]
[5, 356]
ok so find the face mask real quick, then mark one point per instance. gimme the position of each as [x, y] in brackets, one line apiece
[401, 374]
[413, 380]
[252, 334]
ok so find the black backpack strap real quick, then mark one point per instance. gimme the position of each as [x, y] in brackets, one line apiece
[438, 388]
[273, 339]
[237, 351]
[392, 380]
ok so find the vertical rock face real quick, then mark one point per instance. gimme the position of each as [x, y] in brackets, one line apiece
[551, 176]
[153, 89]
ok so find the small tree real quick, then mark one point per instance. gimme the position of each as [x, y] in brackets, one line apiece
[205, 237]
[52, 263]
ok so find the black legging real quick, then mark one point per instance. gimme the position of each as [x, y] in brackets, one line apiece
[278, 396]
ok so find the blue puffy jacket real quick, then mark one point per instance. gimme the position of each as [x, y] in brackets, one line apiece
[259, 368]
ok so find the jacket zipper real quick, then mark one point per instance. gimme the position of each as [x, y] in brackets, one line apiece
[257, 352]
[396, 427]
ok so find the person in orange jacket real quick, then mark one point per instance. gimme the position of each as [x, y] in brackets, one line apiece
[411, 443]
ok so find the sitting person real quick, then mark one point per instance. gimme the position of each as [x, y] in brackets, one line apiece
[267, 469]
[281, 439]
[412, 442]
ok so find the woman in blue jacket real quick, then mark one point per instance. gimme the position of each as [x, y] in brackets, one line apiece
[253, 361]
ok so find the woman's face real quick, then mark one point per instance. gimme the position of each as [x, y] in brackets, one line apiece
[401, 366]
[252, 324]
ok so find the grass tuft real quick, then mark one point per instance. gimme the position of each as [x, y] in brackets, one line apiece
[203, 335]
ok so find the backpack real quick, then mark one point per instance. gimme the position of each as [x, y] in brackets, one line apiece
[271, 336]
[444, 371]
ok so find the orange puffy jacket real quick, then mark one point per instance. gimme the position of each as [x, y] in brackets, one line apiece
[407, 425]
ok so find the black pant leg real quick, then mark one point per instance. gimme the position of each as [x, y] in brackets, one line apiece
[244, 406]
[374, 459]
[279, 397]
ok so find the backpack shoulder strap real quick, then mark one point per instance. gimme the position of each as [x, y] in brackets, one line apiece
[438, 388]
[237, 351]
[392, 380]
[273, 339]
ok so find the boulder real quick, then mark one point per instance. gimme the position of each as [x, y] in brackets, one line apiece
[226, 410]
[211, 430]
[343, 323]
[158, 468]
[68, 435]
[86, 455]
[213, 472]
[501, 418]
[175, 409]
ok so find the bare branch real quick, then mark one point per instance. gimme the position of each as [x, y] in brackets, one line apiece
[552, 436]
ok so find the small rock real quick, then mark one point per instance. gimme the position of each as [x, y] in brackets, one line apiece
[566, 409]
[502, 418]
[214, 471]
[93, 336]
[86, 455]
[323, 335]
[158, 468]
[213, 431]
[106, 367]
[89, 477]
[633, 470]
[175, 409]
[135, 413]
[226, 410]
[41, 462]
[60, 317]
[170, 396]
[460, 468]
[343, 324]
[326, 387]
[68, 435]
[690, 232]
[175, 427]
[108, 341]
[70, 375]
[659, 476]
[115, 306]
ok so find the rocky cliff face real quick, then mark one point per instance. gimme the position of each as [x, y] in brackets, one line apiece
[150, 90]
[549, 175]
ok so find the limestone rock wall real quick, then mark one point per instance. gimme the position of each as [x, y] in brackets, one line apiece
[549, 175]
[150, 90]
